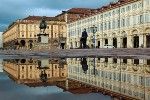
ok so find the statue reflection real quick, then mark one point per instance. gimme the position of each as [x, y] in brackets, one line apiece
[84, 65]
[36, 72]
[43, 76]
[42, 66]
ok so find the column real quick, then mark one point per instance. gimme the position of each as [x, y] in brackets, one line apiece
[119, 42]
[141, 40]
[144, 40]
[110, 41]
[129, 42]
[101, 43]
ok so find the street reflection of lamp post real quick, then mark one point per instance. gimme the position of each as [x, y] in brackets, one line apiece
[94, 30]
[94, 71]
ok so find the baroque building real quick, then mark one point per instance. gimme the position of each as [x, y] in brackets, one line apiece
[30, 71]
[122, 24]
[23, 32]
[125, 78]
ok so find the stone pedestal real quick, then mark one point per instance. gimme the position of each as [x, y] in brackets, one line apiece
[43, 38]
[43, 42]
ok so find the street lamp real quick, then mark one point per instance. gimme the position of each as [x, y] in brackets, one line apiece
[94, 30]
[94, 70]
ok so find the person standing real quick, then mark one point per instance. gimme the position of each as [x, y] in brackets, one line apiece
[84, 38]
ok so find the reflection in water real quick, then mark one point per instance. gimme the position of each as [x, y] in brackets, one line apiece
[36, 72]
[125, 78]
[84, 65]
[118, 78]
[1, 70]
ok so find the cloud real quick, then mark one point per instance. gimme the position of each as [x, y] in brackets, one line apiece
[42, 11]
[12, 10]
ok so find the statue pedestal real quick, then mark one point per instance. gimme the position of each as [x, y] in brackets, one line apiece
[43, 63]
[43, 42]
[42, 38]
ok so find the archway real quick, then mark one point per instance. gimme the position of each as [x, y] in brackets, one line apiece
[124, 42]
[71, 45]
[30, 44]
[115, 42]
[62, 45]
[23, 43]
[106, 41]
[22, 60]
[136, 41]
[148, 41]
[98, 44]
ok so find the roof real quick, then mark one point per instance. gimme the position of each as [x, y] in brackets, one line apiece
[40, 17]
[81, 10]
[85, 11]
[113, 5]
[110, 6]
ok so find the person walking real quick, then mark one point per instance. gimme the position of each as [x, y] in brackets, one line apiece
[84, 38]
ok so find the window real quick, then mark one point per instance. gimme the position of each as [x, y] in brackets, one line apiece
[109, 25]
[134, 6]
[31, 35]
[147, 17]
[128, 8]
[118, 24]
[22, 68]
[122, 10]
[114, 60]
[55, 66]
[113, 24]
[136, 61]
[106, 60]
[125, 61]
[22, 76]
[105, 26]
[101, 26]
[117, 11]
[113, 12]
[128, 21]
[141, 19]
[140, 5]
[109, 14]
[148, 62]
[123, 22]
[147, 2]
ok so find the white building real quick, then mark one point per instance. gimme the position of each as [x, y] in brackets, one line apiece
[1, 40]
[129, 77]
[124, 24]
[1, 66]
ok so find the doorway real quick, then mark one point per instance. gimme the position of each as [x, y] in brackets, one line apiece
[124, 42]
[136, 41]
[115, 42]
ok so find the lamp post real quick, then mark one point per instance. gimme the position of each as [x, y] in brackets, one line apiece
[94, 70]
[94, 30]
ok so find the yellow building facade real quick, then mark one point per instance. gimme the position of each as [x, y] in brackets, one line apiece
[23, 33]
[123, 24]
[28, 71]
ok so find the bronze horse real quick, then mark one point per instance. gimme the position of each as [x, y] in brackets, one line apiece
[43, 24]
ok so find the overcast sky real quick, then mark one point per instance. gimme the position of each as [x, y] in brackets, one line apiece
[10, 10]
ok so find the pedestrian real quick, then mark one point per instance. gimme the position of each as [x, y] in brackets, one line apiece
[84, 38]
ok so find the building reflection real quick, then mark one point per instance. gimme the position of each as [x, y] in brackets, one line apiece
[36, 72]
[122, 78]
[119, 78]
